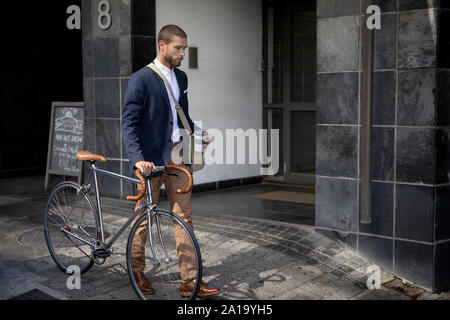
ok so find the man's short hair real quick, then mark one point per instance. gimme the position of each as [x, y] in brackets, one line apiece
[166, 34]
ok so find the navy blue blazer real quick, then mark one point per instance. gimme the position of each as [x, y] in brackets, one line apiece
[147, 123]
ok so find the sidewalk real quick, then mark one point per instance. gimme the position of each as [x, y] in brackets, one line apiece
[252, 248]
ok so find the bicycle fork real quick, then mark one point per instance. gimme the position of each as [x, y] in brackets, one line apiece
[150, 214]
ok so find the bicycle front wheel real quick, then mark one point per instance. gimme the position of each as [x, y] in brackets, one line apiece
[175, 256]
[71, 227]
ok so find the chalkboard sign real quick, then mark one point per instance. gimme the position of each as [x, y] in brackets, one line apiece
[66, 139]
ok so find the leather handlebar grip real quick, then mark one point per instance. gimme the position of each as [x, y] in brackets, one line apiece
[143, 189]
[169, 168]
[188, 175]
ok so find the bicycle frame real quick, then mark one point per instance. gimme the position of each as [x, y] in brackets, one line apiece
[149, 204]
[151, 212]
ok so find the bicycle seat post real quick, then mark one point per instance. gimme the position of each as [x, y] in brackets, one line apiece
[97, 196]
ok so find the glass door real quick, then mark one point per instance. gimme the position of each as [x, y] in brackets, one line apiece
[290, 86]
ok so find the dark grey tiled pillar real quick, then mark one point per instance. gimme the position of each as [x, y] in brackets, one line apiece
[109, 58]
[410, 150]
[338, 52]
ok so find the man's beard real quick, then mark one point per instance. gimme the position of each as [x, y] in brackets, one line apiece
[174, 62]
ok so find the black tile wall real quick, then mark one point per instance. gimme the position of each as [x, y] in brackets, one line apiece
[337, 8]
[416, 155]
[89, 98]
[88, 58]
[417, 4]
[338, 44]
[129, 188]
[385, 42]
[417, 98]
[107, 98]
[89, 135]
[383, 153]
[442, 220]
[109, 186]
[86, 12]
[411, 116]
[414, 214]
[443, 100]
[337, 206]
[444, 39]
[442, 266]
[417, 39]
[108, 138]
[125, 17]
[377, 249]
[414, 261]
[382, 210]
[442, 155]
[123, 86]
[106, 57]
[386, 5]
[337, 151]
[337, 98]
[384, 98]
[125, 56]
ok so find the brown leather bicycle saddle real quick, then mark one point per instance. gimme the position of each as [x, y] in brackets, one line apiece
[89, 156]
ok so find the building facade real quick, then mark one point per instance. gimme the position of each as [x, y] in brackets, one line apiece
[298, 66]
[366, 122]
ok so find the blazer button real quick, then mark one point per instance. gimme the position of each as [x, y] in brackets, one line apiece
[171, 123]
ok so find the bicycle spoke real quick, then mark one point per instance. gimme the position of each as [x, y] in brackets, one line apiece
[165, 277]
[69, 216]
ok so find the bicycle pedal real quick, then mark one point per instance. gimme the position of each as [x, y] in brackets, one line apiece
[103, 253]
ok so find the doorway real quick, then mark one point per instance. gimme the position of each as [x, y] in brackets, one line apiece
[290, 86]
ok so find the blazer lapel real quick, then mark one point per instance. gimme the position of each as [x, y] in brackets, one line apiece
[163, 88]
[181, 84]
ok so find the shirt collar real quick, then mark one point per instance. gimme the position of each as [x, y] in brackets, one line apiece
[163, 68]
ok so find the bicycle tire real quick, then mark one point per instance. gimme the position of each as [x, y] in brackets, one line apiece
[167, 270]
[82, 220]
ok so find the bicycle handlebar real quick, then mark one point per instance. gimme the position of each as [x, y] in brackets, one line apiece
[168, 168]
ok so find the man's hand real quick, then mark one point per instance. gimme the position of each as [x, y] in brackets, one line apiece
[146, 167]
[207, 141]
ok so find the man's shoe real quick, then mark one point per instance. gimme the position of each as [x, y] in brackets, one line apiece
[187, 287]
[143, 283]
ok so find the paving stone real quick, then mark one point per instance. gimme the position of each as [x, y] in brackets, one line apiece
[380, 295]
[248, 258]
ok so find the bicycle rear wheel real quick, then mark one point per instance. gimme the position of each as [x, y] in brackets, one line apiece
[70, 214]
[165, 277]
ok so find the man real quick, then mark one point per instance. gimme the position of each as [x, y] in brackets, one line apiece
[151, 132]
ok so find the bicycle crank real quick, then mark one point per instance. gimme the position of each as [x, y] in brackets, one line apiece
[102, 253]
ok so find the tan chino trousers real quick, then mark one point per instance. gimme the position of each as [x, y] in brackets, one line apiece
[179, 204]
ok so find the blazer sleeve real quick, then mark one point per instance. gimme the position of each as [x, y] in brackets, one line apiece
[133, 107]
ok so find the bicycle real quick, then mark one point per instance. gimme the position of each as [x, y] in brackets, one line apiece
[75, 235]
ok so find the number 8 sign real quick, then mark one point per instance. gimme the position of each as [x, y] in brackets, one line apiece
[104, 16]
